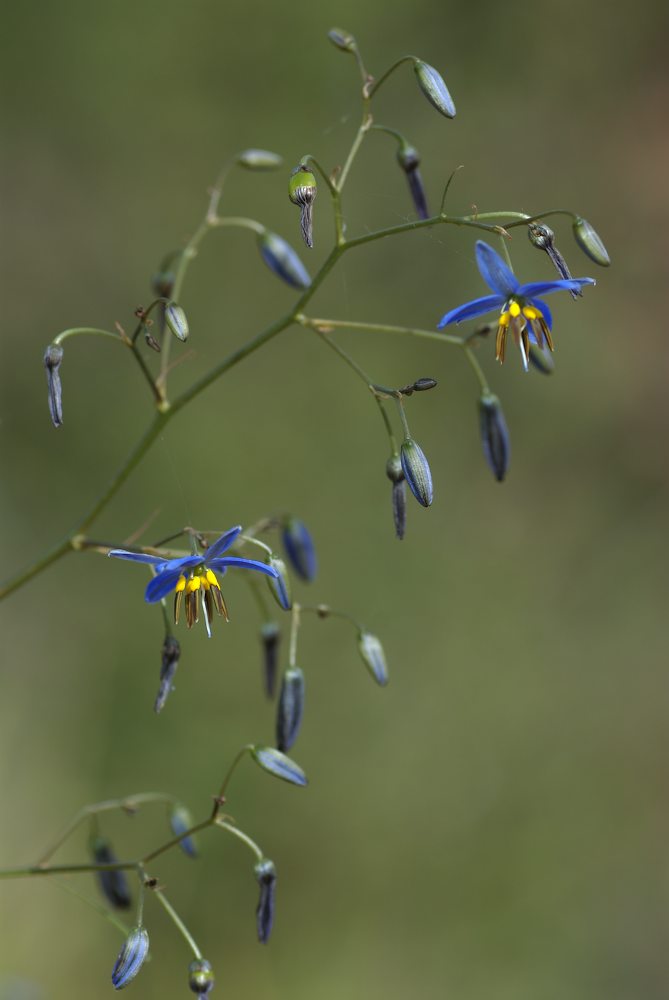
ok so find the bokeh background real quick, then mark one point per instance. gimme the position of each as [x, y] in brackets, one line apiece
[494, 823]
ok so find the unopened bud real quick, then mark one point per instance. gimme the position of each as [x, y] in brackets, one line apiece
[542, 237]
[113, 883]
[408, 159]
[265, 873]
[290, 708]
[270, 636]
[175, 318]
[181, 821]
[542, 360]
[280, 585]
[302, 192]
[417, 471]
[200, 977]
[130, 958]
[342, 39]
[423, 384]
[494, 435]
[259, 159]
[395, 474]
[162, 284]
[282, 259]
[432, 84]
[299, 548]
[373, 657]
[590, 243]
[170, 661]
[52, 359]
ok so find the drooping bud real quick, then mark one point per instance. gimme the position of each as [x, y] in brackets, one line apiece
[542, 360]
[408, 159]
[423, 384]
[299, 548]
[114, 883]
[276, 763]
[265, 873]
[542, 237]
[200, 977]
[130, 958]
[280, 585]
[590, 243]
[175, 318]
[162, 283]
[259, 159]
[181, 821]
[302, 192]
[494, 435]
[290, 708]
[282, 259]
[342, 39]
[417, 471]
[270, 636]
[52, 359]
[395, 474]
[170, 661]
[373, 657]
[432, 84]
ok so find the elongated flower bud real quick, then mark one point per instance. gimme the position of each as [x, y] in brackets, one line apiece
[52, 359]
[417, 471]
[590, 243]
[408, 159]
[494, 435]
[259, 159]
[395, 474]
[432, 84]
[542, 237]
[170, 661]
[130, 958]
[265, 873]
[299, 548]
[280, 585]
[175, 318]
[302, 192]
[200, 977]
[343, 40]
[290, 708]
[270, 635]
[114, 883]
[282, 259]
[180, 821]
[373, 657]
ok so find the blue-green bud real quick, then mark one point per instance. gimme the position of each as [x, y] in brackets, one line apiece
[417, 471]
[276, 763]
[130, 958]
[265, 874]
[342, 39]
[432, 84]
[282, 259]
[542, 360]
[181, 821]
[299, 548]
[52, 359]
[590, 243]
[175, 318]
[259, 159]
[113, 883]
[290, 708]
[280, 585]
[170, 661]
[270, 636]
[373, 657]
[200, 977]
[302, 192]
[494, 435]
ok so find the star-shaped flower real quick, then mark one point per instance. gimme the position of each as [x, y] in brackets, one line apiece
[527, 317]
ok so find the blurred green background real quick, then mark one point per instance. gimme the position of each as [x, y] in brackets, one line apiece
[494, 823]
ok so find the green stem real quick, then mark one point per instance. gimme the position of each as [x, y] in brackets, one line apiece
[175, 840]
[94, 904]
[240, 222]
[382, 79]
[251, 844]
[294, 629]
[476, 368]
[220, 799]
[178, 922]
[323, 325]
[77, 331]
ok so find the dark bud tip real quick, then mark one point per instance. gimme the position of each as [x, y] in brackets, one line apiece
[113, 883]
[343, 40]
[200, 977]
[283, 260]
[265, 874]
[494, 435]
[299, 548]
[181, 821]
[590, 243]
[373, 657]
[170, 661]
[417, 472]
[131, 958]
[52, 360]
[290, 708]
[270, 636]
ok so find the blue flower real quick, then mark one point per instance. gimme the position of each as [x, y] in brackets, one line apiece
[193, 575]
[526, 316]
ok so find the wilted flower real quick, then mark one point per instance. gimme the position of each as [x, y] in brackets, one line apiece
[279, 583]
[395, 474]
[113, 883]
[527, 317]
[170, 661]
[290, 708]
[494, 435]
[409, 160]
[193, 575]
[299, 547]
[200, 977]
[270, 635]
[302, 191]
[53, 357]
[265, 873]
[131, 958]
[542, 237]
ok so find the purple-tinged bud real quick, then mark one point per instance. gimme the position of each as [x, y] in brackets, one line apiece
[590, 243]
[290, 708]
[342, 39]
[395, 474]
[542, 360]
[373, 657]
[259, 159]
[200, 977]
[170, 661]
[162, 284]
[494, 435]
[113, 883]
[542, 237]
[266, 878]
[408, 159]
[270, 636]
[175, 318]
[282, 259]
[130, 958]
[280, 585]
[432, 84]
[276, 763]
[417, 471]
[181, 821]
[52, 359]
[299, 548]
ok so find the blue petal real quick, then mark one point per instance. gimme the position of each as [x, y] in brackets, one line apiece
[494, 271]
[470, 309]
[544, 310]
[546, 287]
[136, 557]
[222, 544]
[217, 564]
[161, 585]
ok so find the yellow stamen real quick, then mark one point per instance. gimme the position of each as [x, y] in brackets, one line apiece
[211, 579]
[181, 584]
[193, 584]
[514, 309]
[530, 312]
[504, 319]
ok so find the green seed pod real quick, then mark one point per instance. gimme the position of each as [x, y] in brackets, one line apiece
[432, 84]
[175, 318]
[302, 192]
[494, 435]
[130, 958]
[52, 359]
[417, 471]
[373, 657]
[290, 708]
[259, 159]
[342, 39]
[200, 977]
[590, 243]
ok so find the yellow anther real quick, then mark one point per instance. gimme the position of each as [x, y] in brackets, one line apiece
[514, 309]
[504, 319]
[211, 579]
[193, 584]
[204, 582]
[181, 584]
[531, 313]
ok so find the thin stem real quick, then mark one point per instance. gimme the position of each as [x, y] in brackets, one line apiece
[29, 870]
[220, 799]
[241, 222]
[382, 79]
[476, 368]
[178, 922]
[447, 188]
[294, 629]
[93, 331]
[102, 910]
[174, 841]
[403, 416]
[364, 128]
[323, 325]
[324, 611]
[251, 844]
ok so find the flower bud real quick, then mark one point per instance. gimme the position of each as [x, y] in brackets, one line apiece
[399, 496]
[266, 878]
[130, 958]
[342, 39]
[542, 360]
[302, 192]
[590, 243]
[270, 636]
[432, 84]
[408, 159]
[259, 159]
[282, 259]
[417, 471]
[290, 708]
[280, 585]
[276, 763]
[162, 284]
[180, 821]
[494, 435]
[299, 548]
[170, 661]
[114, 883]
[175, 318]
[52, 359]
[542, 237]
[423, 384]
[373, 657]
[200, 977]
